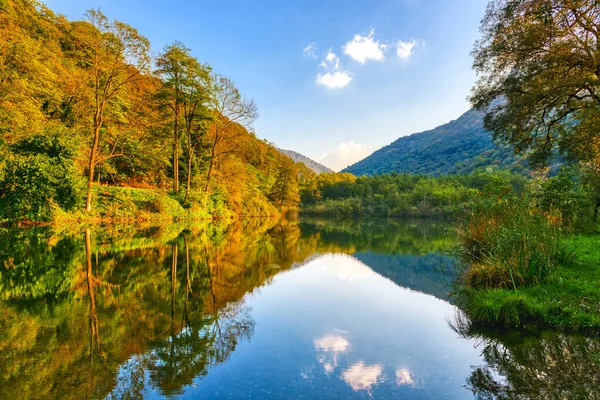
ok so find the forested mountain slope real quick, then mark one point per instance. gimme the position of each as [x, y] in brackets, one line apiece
[457, 147]
[299, 158]
[91, 121]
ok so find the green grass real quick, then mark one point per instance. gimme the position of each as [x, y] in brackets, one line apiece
[568, 299]
[122, 204]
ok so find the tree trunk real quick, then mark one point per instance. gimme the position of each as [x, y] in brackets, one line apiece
[210, 166]
[189, 175]
[92, 164]
[596, 208]
[94, 326]
[173, 284]
[176, 154]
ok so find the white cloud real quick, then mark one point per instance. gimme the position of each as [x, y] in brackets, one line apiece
[345, 154]
[405, 49]
[310, 51]
[364, 48]
[362, 377]
[332, 77]
[331, 60]
[335, 80]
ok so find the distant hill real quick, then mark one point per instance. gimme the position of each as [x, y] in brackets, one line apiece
[313, 165]
[457, 147]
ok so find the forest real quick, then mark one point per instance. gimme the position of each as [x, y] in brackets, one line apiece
[458, 147]
[93, 126]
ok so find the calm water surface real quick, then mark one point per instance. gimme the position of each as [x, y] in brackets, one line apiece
[265, 310]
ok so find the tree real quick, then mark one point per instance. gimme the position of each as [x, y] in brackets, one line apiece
[171, 66]
[117, 55]
[197, 95]
[42, 173]
[31, 67]
[285, 189]
[231, 110]
[539, 77]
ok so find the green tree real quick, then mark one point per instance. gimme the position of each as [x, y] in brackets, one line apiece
[197, 97]
[117, 55]
[538, 63]
[172, 65]
[42, 174]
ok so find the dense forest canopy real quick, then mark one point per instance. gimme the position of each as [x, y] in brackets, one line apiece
[458, 147]
[538, 64]
[83, 104]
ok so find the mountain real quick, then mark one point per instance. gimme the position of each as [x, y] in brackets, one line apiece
[313, 165]
[458, 147]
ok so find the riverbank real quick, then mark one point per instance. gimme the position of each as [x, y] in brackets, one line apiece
[568, 299]
[116, 204]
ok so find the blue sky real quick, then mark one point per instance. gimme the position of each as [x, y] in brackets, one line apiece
[395, 67]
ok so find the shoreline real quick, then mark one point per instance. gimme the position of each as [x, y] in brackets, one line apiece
[568, 300]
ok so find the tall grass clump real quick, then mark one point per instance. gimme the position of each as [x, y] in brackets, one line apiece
[507, 243]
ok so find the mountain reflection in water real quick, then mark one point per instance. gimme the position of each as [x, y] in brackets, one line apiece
[260, 309]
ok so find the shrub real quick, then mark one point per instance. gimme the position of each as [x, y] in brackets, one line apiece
[42, 173]
[509, 243]
[566, 197]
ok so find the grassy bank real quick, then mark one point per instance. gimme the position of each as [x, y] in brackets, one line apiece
[112, 204]
[124, 204]
[568, 298]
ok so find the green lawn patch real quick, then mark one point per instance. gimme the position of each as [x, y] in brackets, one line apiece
[569, 298]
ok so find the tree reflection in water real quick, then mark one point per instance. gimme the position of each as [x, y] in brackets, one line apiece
[123, 311]
[545, 365]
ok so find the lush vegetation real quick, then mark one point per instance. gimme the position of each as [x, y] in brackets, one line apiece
[85, 108]
[566, 298]
[400, 195]
[538, 83]
[521, 261]
[458, 147]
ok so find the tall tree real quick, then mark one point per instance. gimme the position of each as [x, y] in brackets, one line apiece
[230, 111]
[172, 64]
[285, 191]
[196, 98]
[117, 55]
[538, 63]
[31, 67]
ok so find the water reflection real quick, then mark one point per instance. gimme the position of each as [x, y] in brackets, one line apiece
[362, 377]
[328, 348]
[261, 309]
[403, 377]
[542, 365]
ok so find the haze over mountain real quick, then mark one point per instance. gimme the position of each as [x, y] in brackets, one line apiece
[311, 164]
[458, 147]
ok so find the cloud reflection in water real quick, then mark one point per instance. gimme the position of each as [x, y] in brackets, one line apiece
[361, 377]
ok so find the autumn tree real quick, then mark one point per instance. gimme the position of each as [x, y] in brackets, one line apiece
[196, 98]
[31, 67]
[117, 55]
[231, 112]
[538, 63]
[284, 192]
[171, 65]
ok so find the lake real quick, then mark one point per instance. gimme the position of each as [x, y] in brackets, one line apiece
[264, 309]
